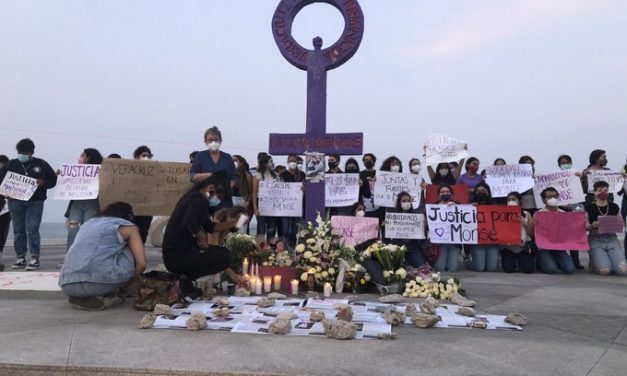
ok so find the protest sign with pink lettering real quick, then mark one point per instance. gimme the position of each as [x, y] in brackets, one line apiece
[355, 230]
[509, 178]
[567, 184]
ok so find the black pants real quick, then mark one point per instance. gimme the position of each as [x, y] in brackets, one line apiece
[143, 223]
[194, 264]
[523, 259]
[5, 222]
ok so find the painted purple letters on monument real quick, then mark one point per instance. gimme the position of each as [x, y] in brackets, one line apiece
[316, 62]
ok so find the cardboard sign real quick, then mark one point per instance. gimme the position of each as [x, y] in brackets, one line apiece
[441, 148]
[18, 187]
[614, 179]
[567, 184]
[611, 224]
[152, 188]
[404, 226]
[341, 190]
[469, 224]
[77, 182]
[459, 194]
[356, 230]
[509, 178]
[279, 199]
[389, 184]
[561, 231]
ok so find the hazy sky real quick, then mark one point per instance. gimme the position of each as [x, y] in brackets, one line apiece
[510, 77]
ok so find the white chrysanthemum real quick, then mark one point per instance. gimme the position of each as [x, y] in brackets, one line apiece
[303, 277]
[307, 254]
[300, 248]
[331, 271]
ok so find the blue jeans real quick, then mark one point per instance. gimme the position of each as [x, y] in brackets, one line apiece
[552, 262]
[484, 258]
[81, 211]
[267, 226]
[87, 289]
[607, 255]
[26, 216]
[290, 228]
[448, 258]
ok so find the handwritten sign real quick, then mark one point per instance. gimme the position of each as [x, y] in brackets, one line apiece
[18, 187]
[77, 182]
[152, 188]
[509, 178]
[389, 184]
[279, 199]
[610, 224]
[567, 184]
[356, 230]
[561, 231]
[614, 179]
[459, 194]
[469, 224]
[341, 189]
[441, 148]
[404, 226]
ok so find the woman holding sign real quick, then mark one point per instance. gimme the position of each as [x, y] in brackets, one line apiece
[484, 258]
[604, 221]
[518, 255]
[413, 255]
[449, 253]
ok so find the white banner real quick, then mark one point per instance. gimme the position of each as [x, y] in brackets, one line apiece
[614, 179]
[279, 199]
[341, 190]
[77, 182]
[18, 187]
[442, 148]
[455, 224]
[509, 178]
[404, 226]
[567, 184]
[389, 184]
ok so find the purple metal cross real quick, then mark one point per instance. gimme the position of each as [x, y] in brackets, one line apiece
[317, 62]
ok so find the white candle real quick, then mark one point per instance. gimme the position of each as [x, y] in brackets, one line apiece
[258, 286]
[245, 265]
[277, 282]
[225, 286]
[294, 287]
[267, 284]
[257, 269]
[327, 290]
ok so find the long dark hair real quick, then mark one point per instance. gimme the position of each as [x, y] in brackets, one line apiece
[118, 209]
[447, 179]
[242, 176]
[519, 197]
[399, 198]
[264, 160]
[487, 187]
[93, 156]
[385, 166]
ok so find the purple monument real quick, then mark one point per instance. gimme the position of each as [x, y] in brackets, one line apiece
[317, 62]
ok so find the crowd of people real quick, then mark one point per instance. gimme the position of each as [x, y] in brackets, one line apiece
[105, 248]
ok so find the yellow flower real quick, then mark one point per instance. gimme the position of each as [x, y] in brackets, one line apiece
[300, 248]
[303, 277]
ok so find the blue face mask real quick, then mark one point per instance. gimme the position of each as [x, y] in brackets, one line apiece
[214, 201]
[23, 158]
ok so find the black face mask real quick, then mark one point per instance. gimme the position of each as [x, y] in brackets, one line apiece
[445, 196]
[351, 169]
[332, 164]
[369, 164]
[603, 162]
[481, 197]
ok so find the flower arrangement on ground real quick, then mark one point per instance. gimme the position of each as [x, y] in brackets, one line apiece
[431, 284]
[240, 246]
[356, 278]
[391, 258]
[274, 253]
[318, 251]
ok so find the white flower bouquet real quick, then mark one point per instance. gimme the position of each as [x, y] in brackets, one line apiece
[434, 287]
[391, 258]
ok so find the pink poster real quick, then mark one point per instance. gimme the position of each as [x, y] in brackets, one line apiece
[356, 230]
[610, 224]
[559, 231]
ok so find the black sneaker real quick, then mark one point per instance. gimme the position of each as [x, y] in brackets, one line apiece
[20, 263]
[33, 265]
[90, 303]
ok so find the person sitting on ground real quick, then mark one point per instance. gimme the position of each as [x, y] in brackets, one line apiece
[518, 255]
[106, 254]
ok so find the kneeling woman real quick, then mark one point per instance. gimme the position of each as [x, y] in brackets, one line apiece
[187, 242]
[106, 254]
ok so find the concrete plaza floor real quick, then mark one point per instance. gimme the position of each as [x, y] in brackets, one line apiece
[578, 326]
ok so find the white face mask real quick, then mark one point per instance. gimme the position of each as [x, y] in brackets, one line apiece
[300, 166]
[552, 202]
[292, 165]
[416, 168]
[443, 171]
[360, 213]
[395, 168]
[405, 205]
[213, 146]
[236, 165]
[566, 166]
[512, 203]
[144, 158]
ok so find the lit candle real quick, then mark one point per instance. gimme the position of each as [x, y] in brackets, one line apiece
[258, 286]
[294, 287]
[327, 290]
[245, 265]
[267, 284]
[277, 282]
[257, 269]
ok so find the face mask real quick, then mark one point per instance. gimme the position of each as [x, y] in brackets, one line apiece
[395, 168]
[214, 201]
[360, 213]
[81, 160]
[512, 203]
[416, 168]
[369, 164]
[213, 146]
[405, 205]
[603, 196]
[481, 197]
[292, 165]
[445, 196]
[23, 158]
[300, 166]
[566, 166]
[351, 168]
[473, 169]
[603, 162]
[236, 165]
[552, 202]
[332, 165]
[443, 171]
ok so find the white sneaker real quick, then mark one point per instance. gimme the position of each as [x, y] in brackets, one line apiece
[33, 264]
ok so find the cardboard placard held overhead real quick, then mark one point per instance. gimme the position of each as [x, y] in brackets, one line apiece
[152, 188]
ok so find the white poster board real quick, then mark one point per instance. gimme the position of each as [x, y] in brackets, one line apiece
[18, 187]
[341, 190]
[455, 224]
[389, 184]
[279, 199]
[567, 184]
[614, 179]
[509, 178]
[441, 148]
[77, 182]
[404, 226]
